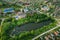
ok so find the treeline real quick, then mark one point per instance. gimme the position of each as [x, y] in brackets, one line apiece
[36, 18]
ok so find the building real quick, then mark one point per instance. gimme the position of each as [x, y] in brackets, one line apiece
[20, 15]
[25, 10]
[8, 10]
[45, 8]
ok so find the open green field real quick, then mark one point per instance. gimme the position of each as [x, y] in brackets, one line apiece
[25, 31]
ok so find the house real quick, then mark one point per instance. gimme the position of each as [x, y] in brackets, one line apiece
[20, 15]
[7, 10]
[26, 4]
[45, 8]
[25, 10]
[46, 38]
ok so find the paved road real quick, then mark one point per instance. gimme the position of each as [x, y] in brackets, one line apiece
[58, 25]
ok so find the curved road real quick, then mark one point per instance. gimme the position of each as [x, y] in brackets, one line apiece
[46, 32]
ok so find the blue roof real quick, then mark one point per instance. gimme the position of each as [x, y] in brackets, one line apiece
[8, 10]
[16, 16]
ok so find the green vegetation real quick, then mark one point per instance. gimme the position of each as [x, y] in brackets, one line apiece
[53, 33]
[33, 33]
[10, 23]
[8, 26]
[36, 18]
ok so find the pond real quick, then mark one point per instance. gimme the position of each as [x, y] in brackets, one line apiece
[29, 27]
